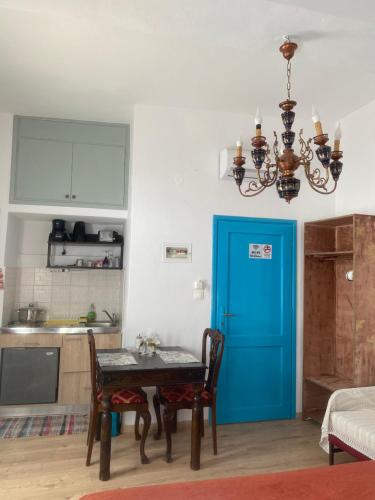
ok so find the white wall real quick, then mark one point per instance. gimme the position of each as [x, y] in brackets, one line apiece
[175, 192]
[356, 190]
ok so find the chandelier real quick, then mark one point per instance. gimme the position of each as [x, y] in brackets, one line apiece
[281, 171]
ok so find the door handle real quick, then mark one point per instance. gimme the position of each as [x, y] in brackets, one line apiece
[228, 314]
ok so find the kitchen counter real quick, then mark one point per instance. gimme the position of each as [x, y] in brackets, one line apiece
[65, 330]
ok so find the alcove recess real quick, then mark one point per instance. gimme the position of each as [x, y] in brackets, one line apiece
[339, 315]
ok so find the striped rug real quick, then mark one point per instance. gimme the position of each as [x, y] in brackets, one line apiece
[53, 425]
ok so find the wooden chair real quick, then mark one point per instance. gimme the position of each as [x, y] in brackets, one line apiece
[180, 397]
[121, 401]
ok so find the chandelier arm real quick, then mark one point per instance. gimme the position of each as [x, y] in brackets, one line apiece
[325, 191]
[268, 179]
[306, 152]
[315, 177]
[254, 192]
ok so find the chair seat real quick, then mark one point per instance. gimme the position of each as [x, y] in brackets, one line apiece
[126, 396]
[182, 393]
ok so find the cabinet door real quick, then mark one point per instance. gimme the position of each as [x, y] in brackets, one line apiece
[75, 354]
[43, 171]
[75, 388]
[98, 176]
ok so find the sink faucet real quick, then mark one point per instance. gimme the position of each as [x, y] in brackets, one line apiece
[112, 317]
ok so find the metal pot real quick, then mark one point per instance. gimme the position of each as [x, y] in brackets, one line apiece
[30, 314]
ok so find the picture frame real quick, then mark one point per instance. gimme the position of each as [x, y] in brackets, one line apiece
[176, 252]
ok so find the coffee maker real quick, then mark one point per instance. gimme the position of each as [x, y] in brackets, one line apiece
[58, 230]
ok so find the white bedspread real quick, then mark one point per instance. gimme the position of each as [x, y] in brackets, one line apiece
[350, 416]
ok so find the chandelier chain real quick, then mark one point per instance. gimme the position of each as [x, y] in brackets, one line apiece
[288, 74]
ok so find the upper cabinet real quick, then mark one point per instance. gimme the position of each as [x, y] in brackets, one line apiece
[60, 162]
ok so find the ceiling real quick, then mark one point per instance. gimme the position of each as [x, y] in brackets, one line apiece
[95, 59]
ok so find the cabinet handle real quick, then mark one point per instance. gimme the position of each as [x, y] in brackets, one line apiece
[32, 344]
[73, 196]
[66, 196]
[73, 338]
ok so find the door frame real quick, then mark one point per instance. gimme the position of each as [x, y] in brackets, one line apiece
[215, 240]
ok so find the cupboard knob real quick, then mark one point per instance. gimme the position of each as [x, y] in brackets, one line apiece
[73, 196]
[66, 196]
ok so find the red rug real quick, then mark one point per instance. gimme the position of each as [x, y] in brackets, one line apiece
[354, 481]
[52, 425]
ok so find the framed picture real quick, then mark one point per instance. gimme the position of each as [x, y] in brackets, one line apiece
[176, 252]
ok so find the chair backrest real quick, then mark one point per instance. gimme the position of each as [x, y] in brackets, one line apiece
[96, 373]
[216, 349]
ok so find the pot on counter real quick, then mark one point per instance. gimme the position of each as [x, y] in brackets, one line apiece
[30, 314]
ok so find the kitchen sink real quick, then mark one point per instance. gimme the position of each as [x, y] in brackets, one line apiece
[100, 324]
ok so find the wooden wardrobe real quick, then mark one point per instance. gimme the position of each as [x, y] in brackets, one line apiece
[339, 315]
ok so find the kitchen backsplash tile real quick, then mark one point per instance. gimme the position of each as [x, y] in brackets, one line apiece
[43, 277]
[65, 295]
[42, 294]
[26, 277]
[61, 278]
[80, 278]
[60, 294]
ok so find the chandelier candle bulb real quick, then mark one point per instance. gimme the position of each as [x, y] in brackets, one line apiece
[317, 122]
[239, 148]
[258, 123]
[338, 135]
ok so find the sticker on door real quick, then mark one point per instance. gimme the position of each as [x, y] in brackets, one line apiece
[260, 251]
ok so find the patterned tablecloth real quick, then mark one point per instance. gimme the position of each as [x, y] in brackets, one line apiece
[176, 357]
[116, 358]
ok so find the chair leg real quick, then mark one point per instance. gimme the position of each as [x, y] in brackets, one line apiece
[331, 459]
[202, 423]
[156, 401]
[174, 423]
[89, 427]
[98, 427]
[213, 423]
[91, 434]
[146, 416]
[136, 426]
[168, 416]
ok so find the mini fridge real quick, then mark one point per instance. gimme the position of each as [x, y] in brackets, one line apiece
[29, 375]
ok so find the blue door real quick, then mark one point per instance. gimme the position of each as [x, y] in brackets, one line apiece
[254, 306]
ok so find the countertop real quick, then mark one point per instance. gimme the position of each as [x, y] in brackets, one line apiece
[62, 330]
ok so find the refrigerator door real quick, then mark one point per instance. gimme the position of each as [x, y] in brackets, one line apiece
[29, 375]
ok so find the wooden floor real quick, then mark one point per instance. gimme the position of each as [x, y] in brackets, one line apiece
[54, 467]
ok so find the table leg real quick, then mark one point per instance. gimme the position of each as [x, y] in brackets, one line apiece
[196, 428]
[105, 440]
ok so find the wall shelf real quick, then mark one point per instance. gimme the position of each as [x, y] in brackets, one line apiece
[79, 268]
[330, 382]
[86, 243]
[70, 259]
[328, 255]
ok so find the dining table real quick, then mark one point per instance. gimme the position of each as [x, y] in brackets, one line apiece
[148, 371]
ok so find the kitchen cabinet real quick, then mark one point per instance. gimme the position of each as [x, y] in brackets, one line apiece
[75, 383]
[61, 162]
